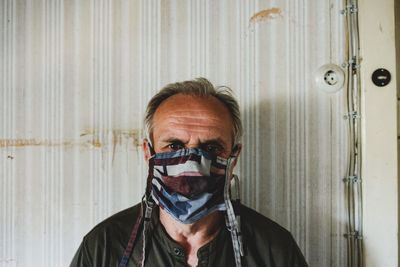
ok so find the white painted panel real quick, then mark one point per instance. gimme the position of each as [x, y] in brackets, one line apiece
[380, 184]
[75, 79]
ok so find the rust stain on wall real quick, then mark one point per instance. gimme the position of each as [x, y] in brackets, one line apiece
[270, 13]
[18, 142]
[93, 138]
[30, 142]
[115, 136]
[95, 143]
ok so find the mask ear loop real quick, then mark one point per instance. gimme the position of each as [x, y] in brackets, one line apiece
[132, 239]
[144, 217]
[148, 201]
[236, 207]
[232, 221]
[236, 201]
[146, 227]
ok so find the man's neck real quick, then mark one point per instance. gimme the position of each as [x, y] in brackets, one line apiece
[192, 236]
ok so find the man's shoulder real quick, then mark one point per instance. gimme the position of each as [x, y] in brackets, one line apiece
[256, 221]
[106, 242]
[118, 224]
[268, 240]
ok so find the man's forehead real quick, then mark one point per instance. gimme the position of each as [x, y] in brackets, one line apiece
[187, 105]
[194, 101]
[193, 113]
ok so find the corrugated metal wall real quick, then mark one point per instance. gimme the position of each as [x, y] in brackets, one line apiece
[76, 76]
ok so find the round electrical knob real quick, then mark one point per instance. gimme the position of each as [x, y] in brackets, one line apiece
[329, 78]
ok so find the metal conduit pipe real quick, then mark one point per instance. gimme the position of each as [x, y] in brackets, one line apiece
[353, 179]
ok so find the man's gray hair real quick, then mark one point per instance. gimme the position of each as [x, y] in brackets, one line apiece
[199, 87]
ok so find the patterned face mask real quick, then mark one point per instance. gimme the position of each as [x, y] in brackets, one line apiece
[188, 183]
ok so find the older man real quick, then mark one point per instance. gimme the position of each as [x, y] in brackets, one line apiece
[188, 216]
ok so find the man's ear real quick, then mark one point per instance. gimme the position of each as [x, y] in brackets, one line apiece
[147, 149]
[236, 152]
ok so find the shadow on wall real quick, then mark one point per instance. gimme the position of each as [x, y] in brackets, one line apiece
[265, 161]
[291, 168]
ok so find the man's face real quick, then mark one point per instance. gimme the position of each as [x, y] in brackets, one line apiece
[184, 121]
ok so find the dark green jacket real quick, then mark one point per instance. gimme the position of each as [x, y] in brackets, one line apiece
[266, 244]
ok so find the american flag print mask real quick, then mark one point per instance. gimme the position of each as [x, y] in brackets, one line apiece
[188, 183]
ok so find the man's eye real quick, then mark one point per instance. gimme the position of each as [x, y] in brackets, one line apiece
[213, 149]
[175, 146]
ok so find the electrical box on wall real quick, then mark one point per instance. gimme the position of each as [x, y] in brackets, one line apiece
[329, 78]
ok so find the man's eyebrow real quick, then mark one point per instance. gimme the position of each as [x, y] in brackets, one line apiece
[217, 141]
[173, 140]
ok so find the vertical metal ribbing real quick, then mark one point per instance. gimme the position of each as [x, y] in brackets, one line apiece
[94, 87]
[91, 101]
[7, 125]
[29, 213]
[77, 87]
[198, 46]
[4, 125]
[102, 110]
[256, 115]
[142, 88]
[60, 130]
[298, 123]
[150, 58]
[290, 216]
[53, 119]
[339, 146]
[150, 48]
[45, 111]
[108, 185]
[248, 93]
[305, 111]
